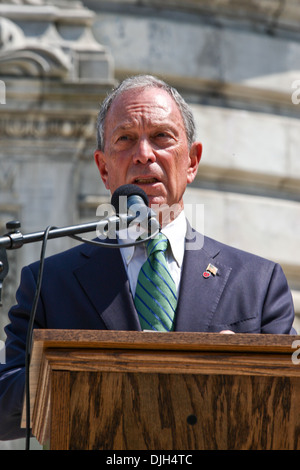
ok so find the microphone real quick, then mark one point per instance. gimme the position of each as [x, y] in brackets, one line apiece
[128, 195]
[131, 200]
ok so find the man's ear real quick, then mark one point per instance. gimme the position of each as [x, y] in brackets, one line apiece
[101, 164]
[195, 157]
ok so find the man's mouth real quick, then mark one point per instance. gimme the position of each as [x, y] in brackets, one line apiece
[145, 180]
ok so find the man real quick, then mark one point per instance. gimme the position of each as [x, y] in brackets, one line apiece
[146, 138]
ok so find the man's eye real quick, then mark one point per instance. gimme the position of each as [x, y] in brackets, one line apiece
[162, 134]
[164, 137]
[123, 139]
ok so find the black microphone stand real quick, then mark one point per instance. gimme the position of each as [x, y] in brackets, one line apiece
[15, 239]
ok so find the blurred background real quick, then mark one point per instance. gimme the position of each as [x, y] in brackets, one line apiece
[236, 62]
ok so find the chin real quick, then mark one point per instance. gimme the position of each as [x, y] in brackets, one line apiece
[156, 201]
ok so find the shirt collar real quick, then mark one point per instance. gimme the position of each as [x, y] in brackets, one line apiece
[175, 231]
[128, 235]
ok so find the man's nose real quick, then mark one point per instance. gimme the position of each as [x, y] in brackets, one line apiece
[144, 152]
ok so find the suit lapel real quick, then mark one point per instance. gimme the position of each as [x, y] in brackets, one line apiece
[199, 296]
[104, 280]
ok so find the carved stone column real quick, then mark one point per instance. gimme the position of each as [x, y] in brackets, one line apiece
[54, 74]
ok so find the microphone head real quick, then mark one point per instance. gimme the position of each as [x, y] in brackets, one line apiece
[127, 190]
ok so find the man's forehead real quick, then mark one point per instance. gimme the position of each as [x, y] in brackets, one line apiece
[150, 102]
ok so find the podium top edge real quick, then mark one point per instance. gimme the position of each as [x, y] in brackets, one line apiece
[113, 339]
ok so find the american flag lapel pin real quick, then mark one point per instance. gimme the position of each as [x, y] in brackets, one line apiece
[210, 270]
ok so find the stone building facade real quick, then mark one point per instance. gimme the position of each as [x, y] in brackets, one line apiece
[236, 62]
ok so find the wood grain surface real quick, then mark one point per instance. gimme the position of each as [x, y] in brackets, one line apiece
[229, 413]
[132, 390]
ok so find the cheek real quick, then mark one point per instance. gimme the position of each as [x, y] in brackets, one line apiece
[116, 174]
[180, 168]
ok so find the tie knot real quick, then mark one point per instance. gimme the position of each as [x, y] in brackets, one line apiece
[159, 243]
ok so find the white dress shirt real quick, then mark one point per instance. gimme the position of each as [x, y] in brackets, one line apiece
[135, 256]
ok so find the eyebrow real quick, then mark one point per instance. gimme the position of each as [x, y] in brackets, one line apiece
[155, 125]
[122, 127]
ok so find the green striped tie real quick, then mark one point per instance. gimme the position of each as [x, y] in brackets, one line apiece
[155, 296]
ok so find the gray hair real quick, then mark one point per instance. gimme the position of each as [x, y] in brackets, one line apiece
[145, 81]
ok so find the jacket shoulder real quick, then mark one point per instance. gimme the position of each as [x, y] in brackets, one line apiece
[231, 254]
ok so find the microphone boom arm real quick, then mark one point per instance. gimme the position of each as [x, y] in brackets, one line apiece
[15, 239]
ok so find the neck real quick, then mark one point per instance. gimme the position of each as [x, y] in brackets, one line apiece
[166, 214]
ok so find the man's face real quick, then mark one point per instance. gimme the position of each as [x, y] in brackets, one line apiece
[146, 145]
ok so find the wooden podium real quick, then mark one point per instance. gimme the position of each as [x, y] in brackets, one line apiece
[113, 390]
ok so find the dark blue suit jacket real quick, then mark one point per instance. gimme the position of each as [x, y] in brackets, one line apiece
[87, 288]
